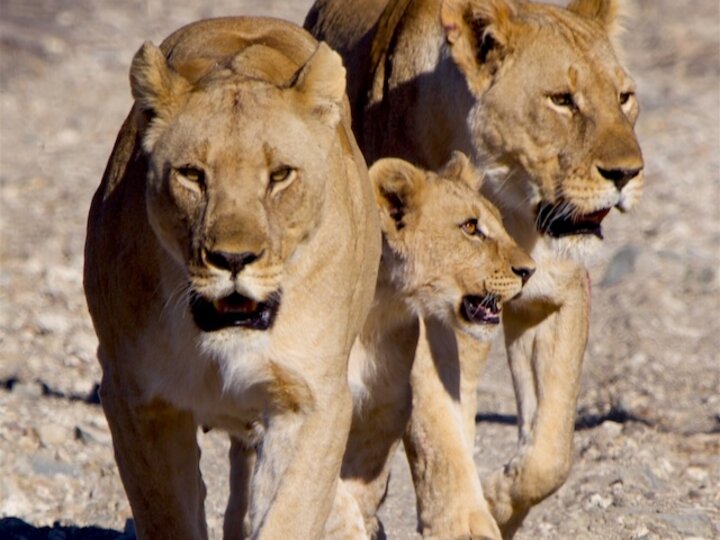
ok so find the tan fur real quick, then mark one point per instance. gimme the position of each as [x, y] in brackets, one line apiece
[432, 265]
[234, 181]
[535, 93]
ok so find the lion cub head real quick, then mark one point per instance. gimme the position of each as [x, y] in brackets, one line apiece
[445, 245]
[552, 101]
[237, 174]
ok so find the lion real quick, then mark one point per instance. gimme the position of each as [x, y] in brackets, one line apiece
[447, 260]
[536, 94]
[231, 257]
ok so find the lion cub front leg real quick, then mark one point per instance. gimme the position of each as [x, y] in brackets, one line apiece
[438, 440]
[545, 360]
[158, 458]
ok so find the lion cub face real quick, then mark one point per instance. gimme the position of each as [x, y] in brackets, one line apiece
[445, 245]
[554, 102]
[237, 177]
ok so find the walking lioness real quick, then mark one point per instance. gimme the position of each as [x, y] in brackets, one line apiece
[536, 92]
[231, 257]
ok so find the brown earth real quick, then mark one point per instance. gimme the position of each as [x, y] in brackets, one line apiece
[648, 440]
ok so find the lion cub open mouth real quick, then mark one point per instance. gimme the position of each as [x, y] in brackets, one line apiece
[233, 311]
[554, 220]
[480, 309]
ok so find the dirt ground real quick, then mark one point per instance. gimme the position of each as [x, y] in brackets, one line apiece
[647, 446]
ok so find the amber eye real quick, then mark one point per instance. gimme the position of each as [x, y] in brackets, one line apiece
[563, 99]
[470, 227]
[625, 97]
[281, 174]
[192, 174]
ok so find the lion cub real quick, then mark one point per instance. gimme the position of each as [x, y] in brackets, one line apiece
[447, 264]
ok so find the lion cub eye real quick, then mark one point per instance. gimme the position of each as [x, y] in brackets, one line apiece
[470, 227]
[563, 99]
[282, 174]
[625, 97]
[192, 174]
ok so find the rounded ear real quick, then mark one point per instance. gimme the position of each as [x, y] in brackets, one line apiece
[459, 168]
[396, 184]
[320, 83]
[478, 32]
[158, 90]
[605, 12]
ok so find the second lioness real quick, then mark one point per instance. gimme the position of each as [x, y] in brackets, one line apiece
[537, 91]
[447, 261]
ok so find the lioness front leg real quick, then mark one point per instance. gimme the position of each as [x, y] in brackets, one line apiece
[158, 458]
[545, 352]
[438, 440]
[297, 471]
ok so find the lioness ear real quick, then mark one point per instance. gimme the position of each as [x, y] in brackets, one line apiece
[460, 168]
[157, 89]
[478, 32]
[606, 12]
[321, 83]
[396, 183]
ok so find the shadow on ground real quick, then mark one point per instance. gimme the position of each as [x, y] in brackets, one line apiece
[16, 529]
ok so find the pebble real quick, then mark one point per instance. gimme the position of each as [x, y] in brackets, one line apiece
[52, 434]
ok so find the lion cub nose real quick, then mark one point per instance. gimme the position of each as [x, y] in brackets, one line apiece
[234, 262]
[620, 177]
[523, 272]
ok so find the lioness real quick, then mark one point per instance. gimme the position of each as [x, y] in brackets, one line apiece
[448, 260]
[231, 257]
[536, 92]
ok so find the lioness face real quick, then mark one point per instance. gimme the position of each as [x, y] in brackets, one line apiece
[559, 107]
[237, 184]
[446, 245]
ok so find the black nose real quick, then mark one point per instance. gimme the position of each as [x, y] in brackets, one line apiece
[619, 177]
[234, 262]
[523, 273]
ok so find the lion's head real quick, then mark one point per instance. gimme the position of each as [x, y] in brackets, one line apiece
[552, 101]
[238, 174]
[445, 244]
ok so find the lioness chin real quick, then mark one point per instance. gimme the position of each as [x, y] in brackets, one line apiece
[534, 92]
[231, 257]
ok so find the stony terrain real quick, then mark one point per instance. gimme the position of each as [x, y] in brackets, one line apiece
[648, 441]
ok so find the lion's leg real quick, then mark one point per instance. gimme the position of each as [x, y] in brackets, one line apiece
[375, 435]
[380, 414]
[346, 520]
[242, 461]
[158, 457]
[297, 471]
[546, 363]
[449, 495]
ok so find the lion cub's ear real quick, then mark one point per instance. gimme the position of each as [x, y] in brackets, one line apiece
[396, 184]
[478, 33]
[320, 83]
[157, 89]
[459, 168]
[606, 12]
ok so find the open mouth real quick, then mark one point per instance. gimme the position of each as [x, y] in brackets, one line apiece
[553, 220]
[234, 310]
[480, 309]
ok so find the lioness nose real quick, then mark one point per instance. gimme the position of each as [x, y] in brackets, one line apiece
[619, 177]
[523, 273]
[234, 262]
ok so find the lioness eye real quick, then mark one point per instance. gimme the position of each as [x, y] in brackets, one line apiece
[563, 99]
[625, 97]
[281, 174]
[470, 227]
[192, 174]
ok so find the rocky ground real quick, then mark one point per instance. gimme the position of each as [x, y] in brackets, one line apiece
[647, 460]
